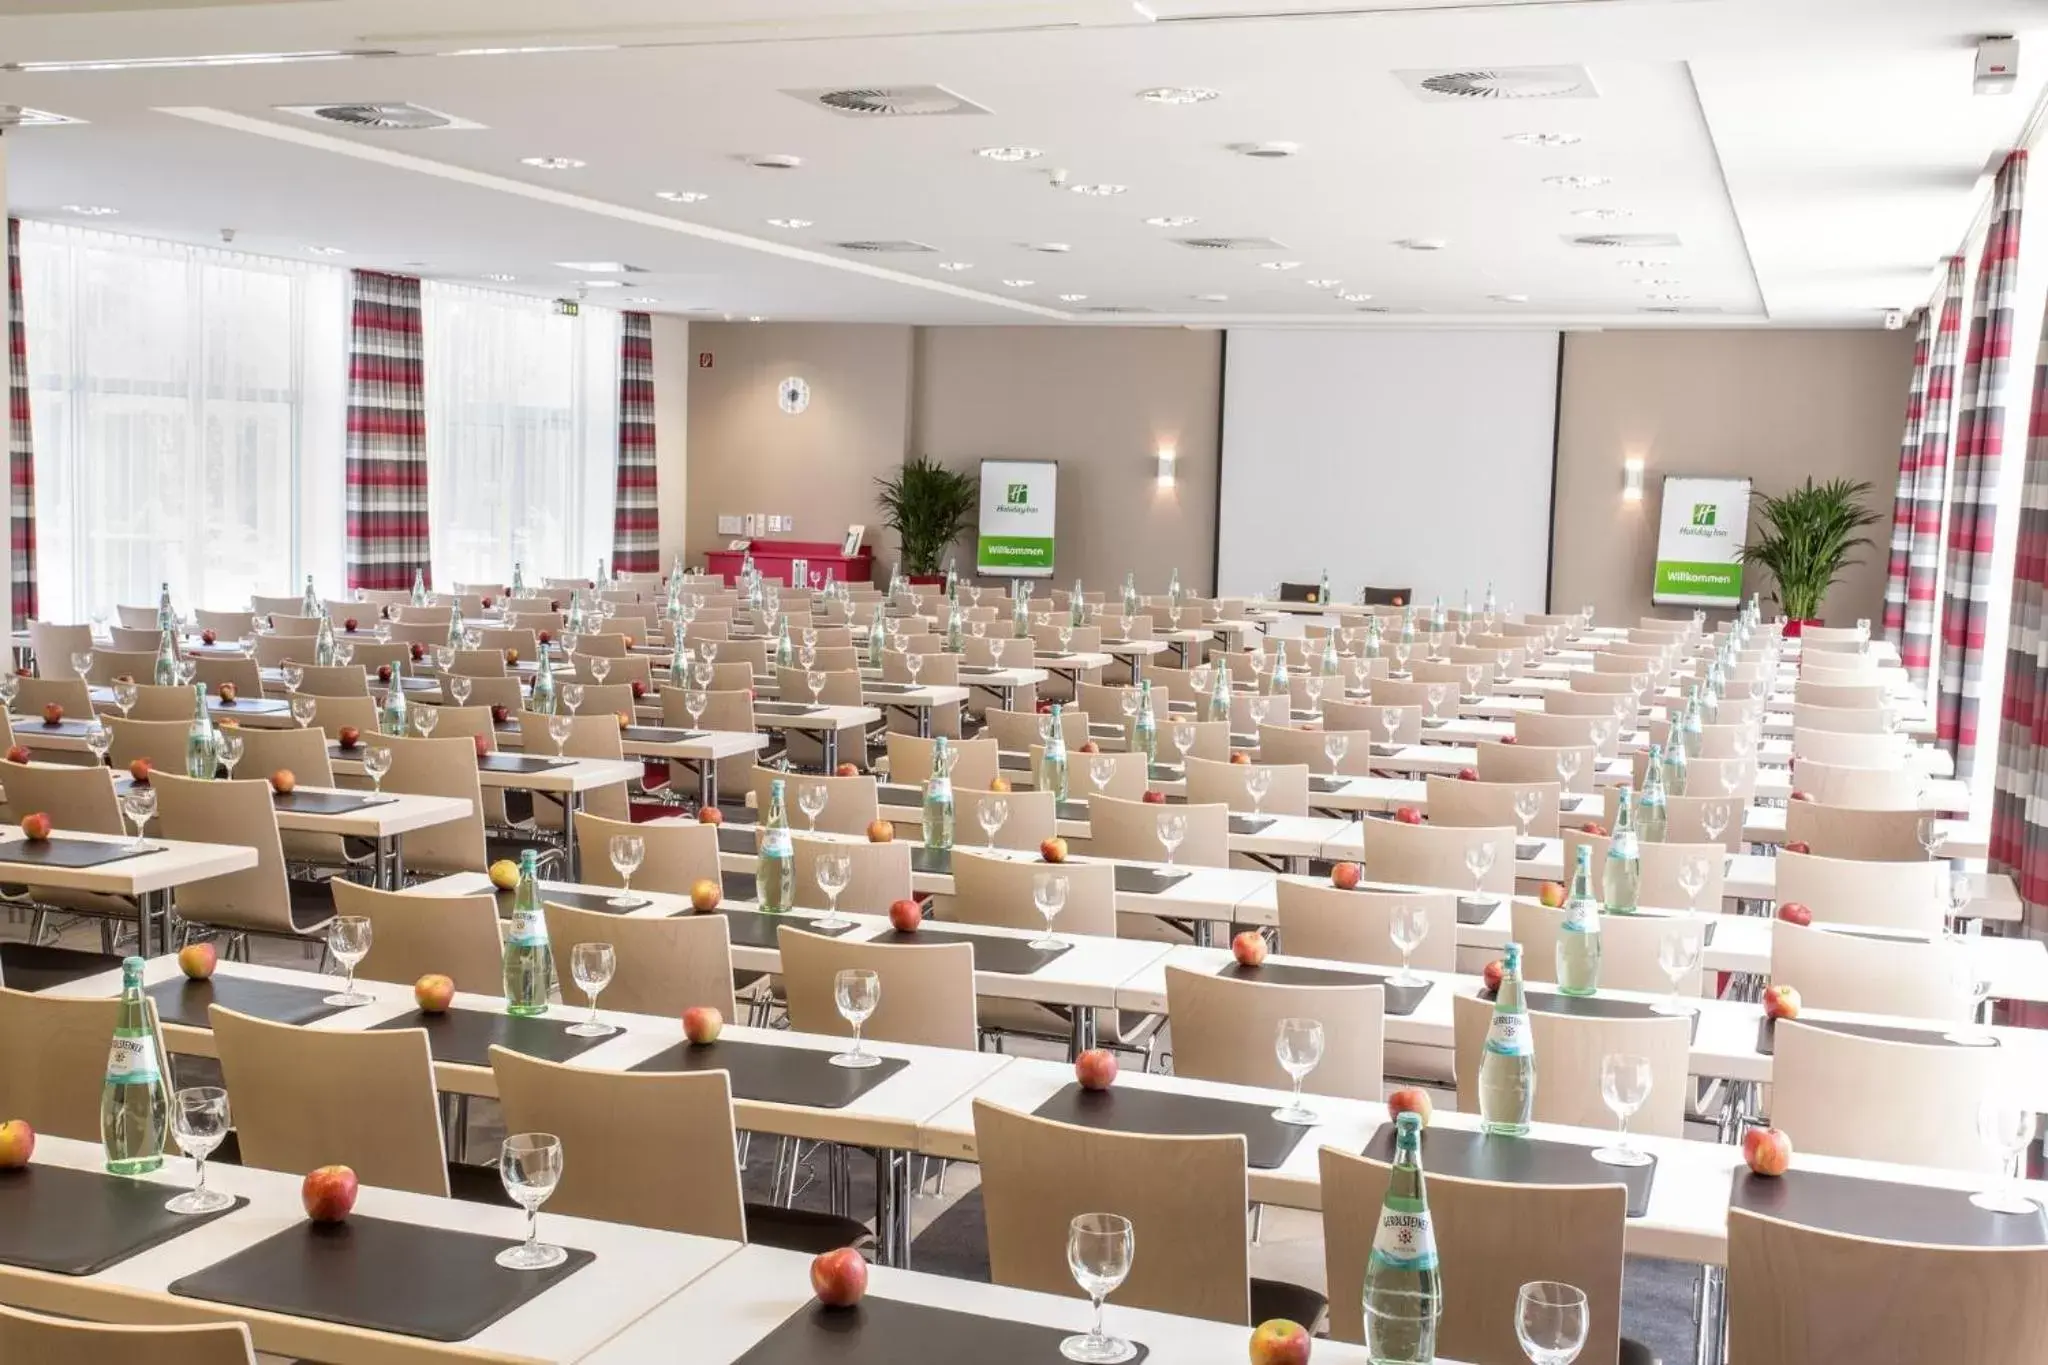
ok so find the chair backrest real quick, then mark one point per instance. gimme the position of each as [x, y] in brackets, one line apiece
[31, 1339]
[1567, 702]
[242, 672]
[440, 767]
[1895, 787]
[53, 1055]
[1185, 1197]
[1223, 784]
[1210, 739]
[880, 874]
[1129, 830]
[219, 812]
[1878, 836]
[910, 760]
[592, 734]
[293, 626]
[1017, 731]
[1838, 1095]
[1534, 763]
[138, 639]
[1629, 946]
[70, 692]
[1850, 748]
[1468, 804]
[331, 715]
[1029, 817]
[1129, 773]
[1851, 719]
[927, 991]
[851, 804]
[664, 966]
[54, 645]
[675, 854]
[135, 665]
[307, 1097]
[1892, 895]
[1554, 730]
[610, 1168]
[1661, 866]
[1845, 971]
[412, 934]
[1000, 891]
[1572, 1048]
[265, 750]
[1319, 920]
[335, 680]
[75, 798]
[1433, 856]
[1493, 1238]
[1224, 1029]
[1799, 1295]
[1853, 696]
[228, 625]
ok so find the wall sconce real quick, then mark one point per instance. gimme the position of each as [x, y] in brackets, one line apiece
[1632, 479]
[1167, 456]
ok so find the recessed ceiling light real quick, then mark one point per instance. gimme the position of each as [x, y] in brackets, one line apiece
[1578, 182]
[1009, 153]
[1322, 284]
[1544, 139]
[527, 51]
[169, 63]
[1072, 298]
[325, 250]
[1266, 151]
[602, 284]
[553, 163]
[1054, 247]
[789, 222]
[1210, 298]
[1018, 284]
[1353, 298]
[1169, 220]
[956, 265]
[594, 267]
[1509, 298]
[1671, 298]
[1279, 265]
[501, 279]
[1603, 215]
[682, 196]
[1422, 244]
[1659, 284]
[91, 210]
[643, 298]
[1638, 263]
[1177, 94]
[1098, 191]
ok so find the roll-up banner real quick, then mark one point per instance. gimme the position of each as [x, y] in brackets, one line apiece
[1700, 533]
[1018, 498]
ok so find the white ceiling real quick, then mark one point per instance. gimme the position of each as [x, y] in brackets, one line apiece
[1815, 157]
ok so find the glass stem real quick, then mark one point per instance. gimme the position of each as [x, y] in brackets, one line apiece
[532, 1226]
[1096, 1300]
[200, 1162]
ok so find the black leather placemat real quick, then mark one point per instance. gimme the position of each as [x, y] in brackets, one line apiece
[407, 1279]
[26, 729]
[248, 706]
[465, 1037]
[1766, 1033]
[1245, 824]
[66, 1222]
[519, 763]
[936, 861]
[1879, 1208]
[656, 734]
[325, 803]
[785, 708]
[981, 670]
[1476, 911]
[1146, 881]
[184, 1001]
[32, 967]
[1127, 1109]
[1326, 785]
[891, 689]
[599, 901]
[992, 952]
[57, 851]
[1518, 1161]
[898, 794]
[739, 886]
[1524, 852]
[1400, 999]
[879, 1331]
[769, 1073]
[734, 838]
[756, 928]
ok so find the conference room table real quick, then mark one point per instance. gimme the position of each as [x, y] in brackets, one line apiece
[824, 723]
[146, 877]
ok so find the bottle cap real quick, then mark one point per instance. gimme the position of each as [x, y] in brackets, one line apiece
[1408, 1124]
[1511, 954]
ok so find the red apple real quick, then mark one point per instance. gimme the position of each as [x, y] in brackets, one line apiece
[1277, 1341]
[511, 656]
[702, 1024]
[53, 714]
[1345, 876]
[639, 689]
[485, 603]
[1767, 1151]
[483, 744]
[500, 713]
[1095, 1069]
[846, 770]
[1468, 774]
[1550, 894]
[905, 916]
[434, 992]
[207, 637]
[1795, 912]
[705, 895]
[1594, 827]
[1249, 948]
[20, 754]
[1509, 739]
[1491, 976]
[1796, 846]
[349, 625]
[1411, 1099]
[1408, 815]
[347, 736]
[328, 1194]
[1802, 796]
[710, 815]
[138, 771]
[546, 637]
[1240, 756]
[418, 651]
[839, 1278]
[1781, 1002]
[383, 673]
[35, 827]
[1153, 798]
[227, 692]
[17, 1144]
[1089, 747]
[282, 781]
[197, 960]
[999, 783]
[1053, 850]
[880, 831]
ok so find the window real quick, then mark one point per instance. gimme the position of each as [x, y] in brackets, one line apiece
[522, 435]
[189, 408]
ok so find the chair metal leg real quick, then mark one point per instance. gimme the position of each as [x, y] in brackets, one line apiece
[37, 925]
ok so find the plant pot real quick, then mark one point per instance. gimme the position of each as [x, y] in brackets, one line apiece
[1794, 629]
[926, 580]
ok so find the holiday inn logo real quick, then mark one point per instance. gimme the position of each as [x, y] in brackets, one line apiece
[1017, 494]
[1703, 514]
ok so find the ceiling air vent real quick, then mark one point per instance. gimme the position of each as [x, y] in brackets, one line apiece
[1682, 308]
[1116, 308]
[889, 101]
[1501, 83]
[1231, 243]
[1624, 239]
[885, 248]
[402, 118]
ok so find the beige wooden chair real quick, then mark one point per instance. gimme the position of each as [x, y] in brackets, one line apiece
[1840, 1094]
[665, 966]
[138, 639]
[999, 891]
[851, 804]
[1318, 920]
[731, 709]
[1661, 866]
[1368, 720]
[1493, 1238]
[1891, 895]
[413, 934]
[1468, 804]
[1849, 749]
[32, 1339]
[77, 799]
[590, 736]
[339, 680]
[1214, 784]
[317, 1097]
[54, 644]
[53, 1056]
[331, 715]
[1877, 836]
[927, 994]
[258, 900]
[228, 625]
[109, 665]
[1890, 788]
[1628, 949]
[161, 703]
[1572, 1049]
[880, 874]
[1847, 696]
[1017, 731]
[910, 760]
[1610, 684]
[1848, 719]
[1838, 971]
[676, 854]
[211, 673]
[1211, 739]
[1129, 774]
[1534, 763]
[304, 754]
[1590, 703]
[1129, 831]
[1185, 1197]
[31, 695]
[1432, 856]
[1223, 1030]
[1552, 730]
[1029, 819]
[1800, 1295]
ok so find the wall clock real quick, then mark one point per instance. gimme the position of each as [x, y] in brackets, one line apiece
[794, 395]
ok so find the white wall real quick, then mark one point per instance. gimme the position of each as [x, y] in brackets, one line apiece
[1339, 446]
[672, 365]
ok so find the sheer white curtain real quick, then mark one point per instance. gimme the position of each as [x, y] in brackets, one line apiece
[522, 434]
[189, 408]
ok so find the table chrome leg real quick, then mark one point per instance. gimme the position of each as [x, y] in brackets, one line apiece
[830, 741]
[892, 1208]
[1082, 1036]
[571, 855]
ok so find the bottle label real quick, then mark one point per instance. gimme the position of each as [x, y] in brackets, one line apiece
[528, 931]
[940, 789]
[132, 1060]
[1405, 1240]
[1508, 1035]
[775, 843]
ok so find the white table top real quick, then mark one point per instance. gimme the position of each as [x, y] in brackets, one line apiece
[172, 863]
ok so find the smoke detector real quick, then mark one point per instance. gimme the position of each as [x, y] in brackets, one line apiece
[402, 118]
[1266, 151]
[1500, 83]
[885, 247]
[767, 161]
[1231, 243]
[889, 101]
[1624, 239]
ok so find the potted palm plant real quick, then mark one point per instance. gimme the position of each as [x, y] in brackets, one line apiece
[927, 505]
[1805, 538]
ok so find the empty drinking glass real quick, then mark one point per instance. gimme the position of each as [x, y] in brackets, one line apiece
[694, 702]
[530, 1165]
[2005, 1127]
[1390, 721]
[303, 710]
[1336, 744]
[227, 746]
[1298, 1043]
[834, 872]
[138, 803]
[1678, 952]
[1528, 805]
[98, 740]
[1624, 1085]
[990, 814]
[1479, 862]
[572, 697]
[1408, 926]
[591, 966]
[1932, 835]
[1258, 780]
[81, 664]
[293, 676]
[913, 664]
[1692, 879]
[348, 941]
[424, 719]
[344, 654]
[444, 657]
[627, 851]
[1714, 820]
[1312, 688]
[1436, 693]
[125, 695]
[376, 763]
[1567, 767]
[1049, 894]
[1101, 768]
[600, 667]
[199, 1121]
[1550, 1322]
[558, 731]
[811, 799]
[1099, 1251]
[856, 991]
[1183, 739]
[815, 680]
[1473, 672]
[1173, 829]
[1258, 708]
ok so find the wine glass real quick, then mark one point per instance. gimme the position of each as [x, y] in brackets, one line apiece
[1678, 952]
[1049, 894]
[1528, 804]
[1099, 1251]
[1127, 699]
[199, 1121]
[1173, 829]
[627, 851]
[1390, 721]
[98, 740]
[424, 719]
[1473, 672]
[815, 680]
[694, 702]
[344, 654]
[1956, 894]
[1550, 1322]
[1066, 638]
[1624, 1085]
[1692, 879]
[2005, 1127]
[1714, 820]
[1258, 708]
[572, 696]
[138, 803]
[1932, 835]
[1336, 743]
[1258, 780]
[1568, 761]
[1298, 1043]
[856, 991]
[810, 799]
[227, 746]
[913, 664]
[1312, 688]
[1408, 926]
[600, 667]
[707, 650]
[591, 966]
[459, 687]
[444, 657]
[294, 674]
[303, 710]
[558, 731]
[348, 941]
[834, 872]
[991, 812]
[125, 695]
[376, 763]
[530, 1165]
[1435, 693]
[1479, 862]
[1101, 768]
[1183, 739]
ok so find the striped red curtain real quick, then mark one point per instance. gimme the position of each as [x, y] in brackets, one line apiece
[636, 525]
[21, 446]
[2019, 801]
[1923, 479]
[387, 434]
[1973, 490]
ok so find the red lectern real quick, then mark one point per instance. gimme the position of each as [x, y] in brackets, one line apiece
[773, 559]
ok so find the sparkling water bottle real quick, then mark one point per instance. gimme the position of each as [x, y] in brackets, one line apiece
[1145, 729]
[1624, 874]
[775, 858]
[1652, 810]
[166, 671]
[134, 1108]
[938, 800]
[1507, 1067]
[200, 757]
[1052, 772]
[1578, 939]
[1403, 1286]
[529, 965]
